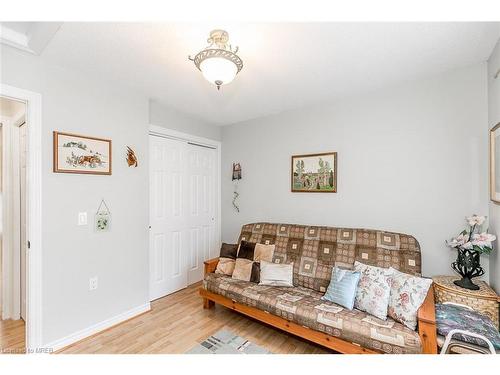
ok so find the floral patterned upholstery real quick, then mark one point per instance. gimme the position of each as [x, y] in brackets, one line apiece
[305, 307]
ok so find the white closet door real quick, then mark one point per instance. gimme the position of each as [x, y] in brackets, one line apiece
[201, 215]
[168, 271]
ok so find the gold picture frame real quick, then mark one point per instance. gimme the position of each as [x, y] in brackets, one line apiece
[314, 173]
[81, 154]
[495, 164]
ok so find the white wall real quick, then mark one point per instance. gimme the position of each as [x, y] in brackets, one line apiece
[76, 103]
[167, 117]
[494, 118]
[411, 159]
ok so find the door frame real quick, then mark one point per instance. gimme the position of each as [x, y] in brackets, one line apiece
[177, 135]
[34, 258]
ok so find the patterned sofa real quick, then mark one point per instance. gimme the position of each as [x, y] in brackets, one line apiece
[299, 310]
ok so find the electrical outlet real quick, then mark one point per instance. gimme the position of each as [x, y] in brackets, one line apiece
[93, 283]
[82, 218]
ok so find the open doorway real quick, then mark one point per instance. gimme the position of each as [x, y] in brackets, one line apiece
[13, 225]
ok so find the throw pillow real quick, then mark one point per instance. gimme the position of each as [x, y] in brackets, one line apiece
[407, 295]
[450, 317]
[342, 288]
[374, 289]
[227, 258]
[247, 266]
[275, 274]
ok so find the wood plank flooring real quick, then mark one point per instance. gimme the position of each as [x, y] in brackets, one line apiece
[12, 336]
[178, 322]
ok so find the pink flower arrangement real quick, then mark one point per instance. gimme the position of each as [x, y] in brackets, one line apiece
[473, 238]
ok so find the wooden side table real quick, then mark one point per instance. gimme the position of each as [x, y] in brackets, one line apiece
[484, 300]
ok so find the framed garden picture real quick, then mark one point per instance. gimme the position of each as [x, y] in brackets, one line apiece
[80, 154]
[495, 163]
[314, 173]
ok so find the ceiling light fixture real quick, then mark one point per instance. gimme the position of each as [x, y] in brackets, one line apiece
[218, 62]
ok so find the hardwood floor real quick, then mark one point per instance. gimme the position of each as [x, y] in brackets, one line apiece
[175, 324]
[12, 336]
[178, 322]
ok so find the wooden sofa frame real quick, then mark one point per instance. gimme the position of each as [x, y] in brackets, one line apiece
[426, 321]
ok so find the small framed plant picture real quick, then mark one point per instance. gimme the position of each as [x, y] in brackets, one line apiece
[81, 154]
[102, 221]
[314, 173]
[495, 163]
[102, 217]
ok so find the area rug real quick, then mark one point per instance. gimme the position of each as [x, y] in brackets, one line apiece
[226, 342]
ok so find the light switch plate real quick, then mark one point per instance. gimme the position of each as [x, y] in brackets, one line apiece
[82, 218]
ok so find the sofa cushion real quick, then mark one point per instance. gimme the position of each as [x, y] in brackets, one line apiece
[227, 258]
[305, 307]
[342, 288]
[374, 289]
[276, 274]
[407, 295]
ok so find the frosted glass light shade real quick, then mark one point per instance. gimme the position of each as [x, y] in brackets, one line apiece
[218, 70]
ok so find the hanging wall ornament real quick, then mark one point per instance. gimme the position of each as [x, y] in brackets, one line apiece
[236, 171]
[131, 158]
[102, 218]
[235, 196]
[236, 177]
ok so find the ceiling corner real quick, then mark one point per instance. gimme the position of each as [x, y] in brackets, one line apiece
[30, 37]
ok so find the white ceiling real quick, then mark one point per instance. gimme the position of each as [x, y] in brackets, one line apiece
[286, 65]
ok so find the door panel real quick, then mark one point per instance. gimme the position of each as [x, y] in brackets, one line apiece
[202, 173]
[168, 217]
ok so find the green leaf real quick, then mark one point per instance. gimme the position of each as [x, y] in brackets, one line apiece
[478, 249]
[487, 250]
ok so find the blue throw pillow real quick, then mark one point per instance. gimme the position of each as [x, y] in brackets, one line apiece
[342, 288]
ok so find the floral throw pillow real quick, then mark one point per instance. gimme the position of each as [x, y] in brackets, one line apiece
[407, 295]
[374, 289]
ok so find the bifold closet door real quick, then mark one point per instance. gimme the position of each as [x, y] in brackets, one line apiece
[183, 213]
[201, 215]
[168, 233]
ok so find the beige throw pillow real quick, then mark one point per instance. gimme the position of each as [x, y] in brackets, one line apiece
[226, 259]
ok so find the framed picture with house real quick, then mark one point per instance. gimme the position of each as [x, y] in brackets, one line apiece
[314, 173]
[81, 154]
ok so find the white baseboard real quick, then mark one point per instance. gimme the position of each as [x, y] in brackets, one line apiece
[96, 328]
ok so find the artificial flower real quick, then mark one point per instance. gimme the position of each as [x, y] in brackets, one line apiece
[483, 239]
[458, 241]
[468, 245]
[476, 220]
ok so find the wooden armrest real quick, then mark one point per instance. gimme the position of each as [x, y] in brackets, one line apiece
[211, 265]
[427, 324]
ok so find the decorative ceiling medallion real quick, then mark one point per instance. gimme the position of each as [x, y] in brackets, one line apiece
[218, 62]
